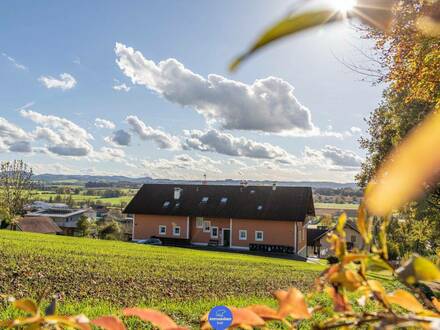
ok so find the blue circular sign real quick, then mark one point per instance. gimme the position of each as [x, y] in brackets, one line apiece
[220, 317]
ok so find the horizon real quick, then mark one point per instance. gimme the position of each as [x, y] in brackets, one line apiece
[151, 94]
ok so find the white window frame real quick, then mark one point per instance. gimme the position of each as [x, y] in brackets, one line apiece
[174, 230]
[245, 234]
[216, 228]
[160, 230]
[206, 229]
[262, 235]
[199, 225]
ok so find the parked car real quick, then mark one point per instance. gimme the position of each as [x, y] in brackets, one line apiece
[150, 241]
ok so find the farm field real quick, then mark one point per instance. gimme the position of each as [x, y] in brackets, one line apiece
[44, 196]
[345, 206]
[98, 277]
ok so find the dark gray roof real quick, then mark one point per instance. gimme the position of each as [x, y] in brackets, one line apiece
[314, 234]
[243, 202]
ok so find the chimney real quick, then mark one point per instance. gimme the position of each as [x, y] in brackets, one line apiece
[274, 186]
[177, 192]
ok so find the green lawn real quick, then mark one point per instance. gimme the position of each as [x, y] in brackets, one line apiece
[98, 277]
[102, 276]
[45, 196]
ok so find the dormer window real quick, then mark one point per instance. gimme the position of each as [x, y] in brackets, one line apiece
[205, 200]
[166, 204]
[223, 200]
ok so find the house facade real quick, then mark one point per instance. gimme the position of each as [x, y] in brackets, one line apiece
[64, 218]
[319, 247]
[266, 218]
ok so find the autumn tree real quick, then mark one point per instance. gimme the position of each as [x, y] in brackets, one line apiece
[15, 189]
[410, 62]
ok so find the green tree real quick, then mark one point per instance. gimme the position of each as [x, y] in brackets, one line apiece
[15, 189]
[85, 225]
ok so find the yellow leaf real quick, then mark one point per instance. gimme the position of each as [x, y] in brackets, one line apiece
[26, 305]
[287, 26]
[407, 170]
[418, 269]
[109, 323]
[245, 317]
[266, 313]
[436, 304]
[363, 225]
[292, 303]
[157, 318]
[341, 224]
[405, 300]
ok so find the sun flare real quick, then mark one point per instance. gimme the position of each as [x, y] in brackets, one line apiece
[343, 6]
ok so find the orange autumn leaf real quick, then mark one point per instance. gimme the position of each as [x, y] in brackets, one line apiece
[245, 317]
[157, 318]
[26, 305]
[266, 313]
[109, 323]
[340, 303]
[436, 304]
[407, 170]
[347, 278]
[292, 303]
[406, 300]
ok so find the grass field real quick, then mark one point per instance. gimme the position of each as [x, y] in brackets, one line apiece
[45, 196]
[345, 206]
[102, 276]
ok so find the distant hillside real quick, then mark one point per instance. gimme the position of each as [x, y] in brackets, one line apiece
[82, 179]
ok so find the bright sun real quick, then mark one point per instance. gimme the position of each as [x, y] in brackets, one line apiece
[343, 6]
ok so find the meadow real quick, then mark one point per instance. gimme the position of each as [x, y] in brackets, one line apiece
[96, 277]
[99, 277]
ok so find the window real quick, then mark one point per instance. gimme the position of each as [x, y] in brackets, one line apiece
[166, 204]
[205, 200]
[206, 226]
[223, 200]
[162, 230]
[242, 235]
[214, 232]
[259, 235]
[260, 207]
[353, 238]
[176, 230]
[199, 222]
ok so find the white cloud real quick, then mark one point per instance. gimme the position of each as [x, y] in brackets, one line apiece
[267, 105]
[226, 144]
[14, 62]
[181, 167]
[65, 138]
[355, 130]
[65, 81]
[161, 138]
[13, 138]
[333, 158]
[121, 88]
[104, 123]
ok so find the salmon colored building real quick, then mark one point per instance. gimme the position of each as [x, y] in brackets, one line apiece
[260, 218]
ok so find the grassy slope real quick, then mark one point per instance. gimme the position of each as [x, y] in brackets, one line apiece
[102, 276]
[345, 206]
[44, 196]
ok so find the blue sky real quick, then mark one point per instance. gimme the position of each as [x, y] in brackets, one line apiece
[142, 88]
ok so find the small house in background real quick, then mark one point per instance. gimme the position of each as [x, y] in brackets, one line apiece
[319, 247]
[42, 225]
[259, 218]
[65, 218]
